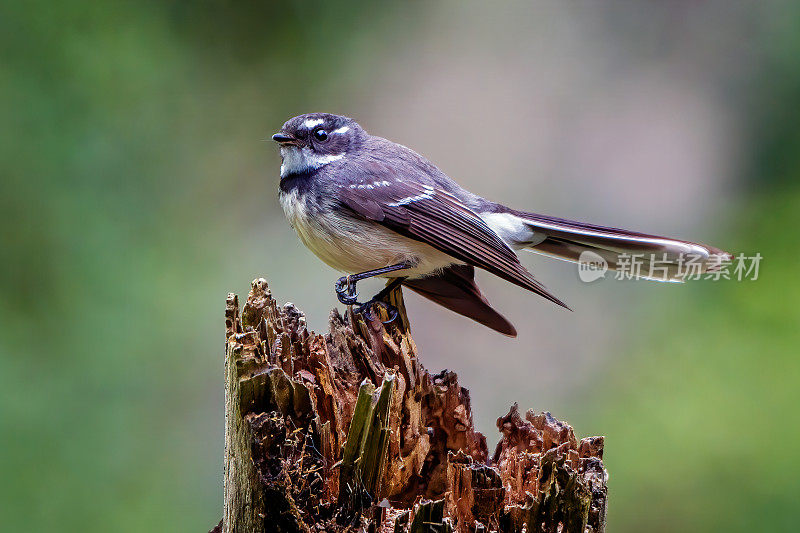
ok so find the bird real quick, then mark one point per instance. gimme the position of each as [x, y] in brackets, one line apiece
[369, 207]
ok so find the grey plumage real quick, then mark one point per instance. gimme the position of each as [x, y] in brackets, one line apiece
[361, 202]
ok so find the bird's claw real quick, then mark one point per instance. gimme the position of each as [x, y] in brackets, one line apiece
[346, 291]
[367, 310]
[347, 294]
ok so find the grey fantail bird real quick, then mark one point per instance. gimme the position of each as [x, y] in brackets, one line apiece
[369, 207]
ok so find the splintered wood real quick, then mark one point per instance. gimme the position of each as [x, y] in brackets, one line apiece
[348, 432]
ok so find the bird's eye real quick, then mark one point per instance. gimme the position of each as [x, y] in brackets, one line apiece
[320, 135]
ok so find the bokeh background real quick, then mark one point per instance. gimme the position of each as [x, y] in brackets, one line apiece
[137, 189]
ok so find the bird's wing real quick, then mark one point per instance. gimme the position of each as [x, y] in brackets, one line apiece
[426, 213]
[455, 289]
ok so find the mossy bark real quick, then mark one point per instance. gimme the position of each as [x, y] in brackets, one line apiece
[349, 432]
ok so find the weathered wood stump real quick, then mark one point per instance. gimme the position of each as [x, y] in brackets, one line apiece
[348, 432]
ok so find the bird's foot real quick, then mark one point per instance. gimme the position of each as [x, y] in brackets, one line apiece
[368, 310]
[346, 291]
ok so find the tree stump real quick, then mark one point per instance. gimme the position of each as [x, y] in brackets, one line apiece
[347, 432]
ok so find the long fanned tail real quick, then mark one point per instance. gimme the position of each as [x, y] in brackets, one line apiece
[641, 255]
[455, 289]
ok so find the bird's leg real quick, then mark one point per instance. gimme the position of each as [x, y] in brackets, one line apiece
[346, 285]
[391, 310]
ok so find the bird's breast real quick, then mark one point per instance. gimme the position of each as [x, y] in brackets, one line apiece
[350, 244]
[318, 227]
[301, 215]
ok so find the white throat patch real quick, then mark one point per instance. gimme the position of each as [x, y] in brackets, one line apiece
[298, 160]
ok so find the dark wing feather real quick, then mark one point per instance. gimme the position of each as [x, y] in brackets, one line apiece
[426, 213]
[455, 289]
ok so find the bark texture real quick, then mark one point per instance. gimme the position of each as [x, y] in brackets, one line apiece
[348, 432]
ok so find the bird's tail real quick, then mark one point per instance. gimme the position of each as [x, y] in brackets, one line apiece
[640, 255]
[455, 288]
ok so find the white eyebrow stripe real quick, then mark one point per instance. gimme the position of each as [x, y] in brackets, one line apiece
[311, 122]
[343, 129]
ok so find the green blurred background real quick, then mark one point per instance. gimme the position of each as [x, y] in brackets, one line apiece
[137, 189]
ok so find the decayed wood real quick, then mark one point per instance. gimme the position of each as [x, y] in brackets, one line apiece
[243, 506]
[349, 432]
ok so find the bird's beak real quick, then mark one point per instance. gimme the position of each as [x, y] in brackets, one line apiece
[283, 139]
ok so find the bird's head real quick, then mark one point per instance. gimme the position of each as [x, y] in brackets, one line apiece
[311, 141]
